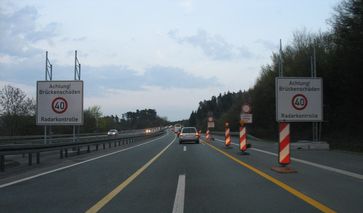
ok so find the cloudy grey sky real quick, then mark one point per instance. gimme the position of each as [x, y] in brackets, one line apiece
[161, 54]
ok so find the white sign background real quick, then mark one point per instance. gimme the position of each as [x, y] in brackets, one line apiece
[71, 91]
[288, 88]
[210, 124]
[246, 118]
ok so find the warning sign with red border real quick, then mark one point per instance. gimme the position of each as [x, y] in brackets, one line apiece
[299, 99]
[59, 103]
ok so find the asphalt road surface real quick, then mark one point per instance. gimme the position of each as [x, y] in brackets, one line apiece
[161, 175]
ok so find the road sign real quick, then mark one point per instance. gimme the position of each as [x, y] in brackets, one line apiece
[246, 108]
[59, 103]
[299, 99]
[211, 124]
[299, 102]
[210, 119]
[246, 118]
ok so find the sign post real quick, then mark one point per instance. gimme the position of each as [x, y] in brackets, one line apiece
[210, 124]
[59, 102]
[284, 128]
[297, 100]
[48, 75]
[245, 118]
[77, 76]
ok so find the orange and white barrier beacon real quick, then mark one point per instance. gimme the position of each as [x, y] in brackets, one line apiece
[207, 135]
[284, 144]
[242, 138]
[227, 135]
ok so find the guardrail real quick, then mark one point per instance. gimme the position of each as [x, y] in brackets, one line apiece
[58, 138]
[36, 149]
[40, 138]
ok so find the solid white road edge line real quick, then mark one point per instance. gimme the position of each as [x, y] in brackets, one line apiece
[179, 196]
[76, 164]
[332, 169]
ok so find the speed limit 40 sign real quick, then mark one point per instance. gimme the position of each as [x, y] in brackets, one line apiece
[299, 99]
[59, 103]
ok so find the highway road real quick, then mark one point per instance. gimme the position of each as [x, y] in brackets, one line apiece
[161, 175]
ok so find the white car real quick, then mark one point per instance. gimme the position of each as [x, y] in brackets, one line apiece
[112, 132]
[189, 134]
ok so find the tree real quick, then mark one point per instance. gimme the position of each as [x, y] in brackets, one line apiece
[13, 101]
[14, 108]
[95, 111]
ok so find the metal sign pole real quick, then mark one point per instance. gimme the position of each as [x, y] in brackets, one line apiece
[45, 134]
[74, 133]
[77, 76]
[313, 75]
[48, 74]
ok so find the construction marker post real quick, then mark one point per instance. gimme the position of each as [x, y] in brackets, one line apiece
[286, 104]
[242, 138]
[207, 135]
[284, 144]
[227, 135]
[284, 149]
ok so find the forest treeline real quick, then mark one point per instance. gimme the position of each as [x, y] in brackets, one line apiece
[18, 117]
[339, 54]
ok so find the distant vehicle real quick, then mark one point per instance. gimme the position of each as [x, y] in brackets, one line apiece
[177, 128]
[147, 131]
[112, 132]
[189, 134]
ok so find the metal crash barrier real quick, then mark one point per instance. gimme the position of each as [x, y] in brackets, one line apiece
[65, 147]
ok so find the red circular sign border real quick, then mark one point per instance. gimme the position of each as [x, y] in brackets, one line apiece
[244, 106]
[293, 98]
[65, 101]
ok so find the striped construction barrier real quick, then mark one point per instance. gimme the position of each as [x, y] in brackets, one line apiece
[207, 135]
[242, 139]
[227, 137]
[284, 144]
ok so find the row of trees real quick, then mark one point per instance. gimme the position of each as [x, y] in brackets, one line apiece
[17, 117]
[140, 119]
[339, 54]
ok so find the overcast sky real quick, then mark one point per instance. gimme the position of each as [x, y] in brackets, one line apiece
[166, 55]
